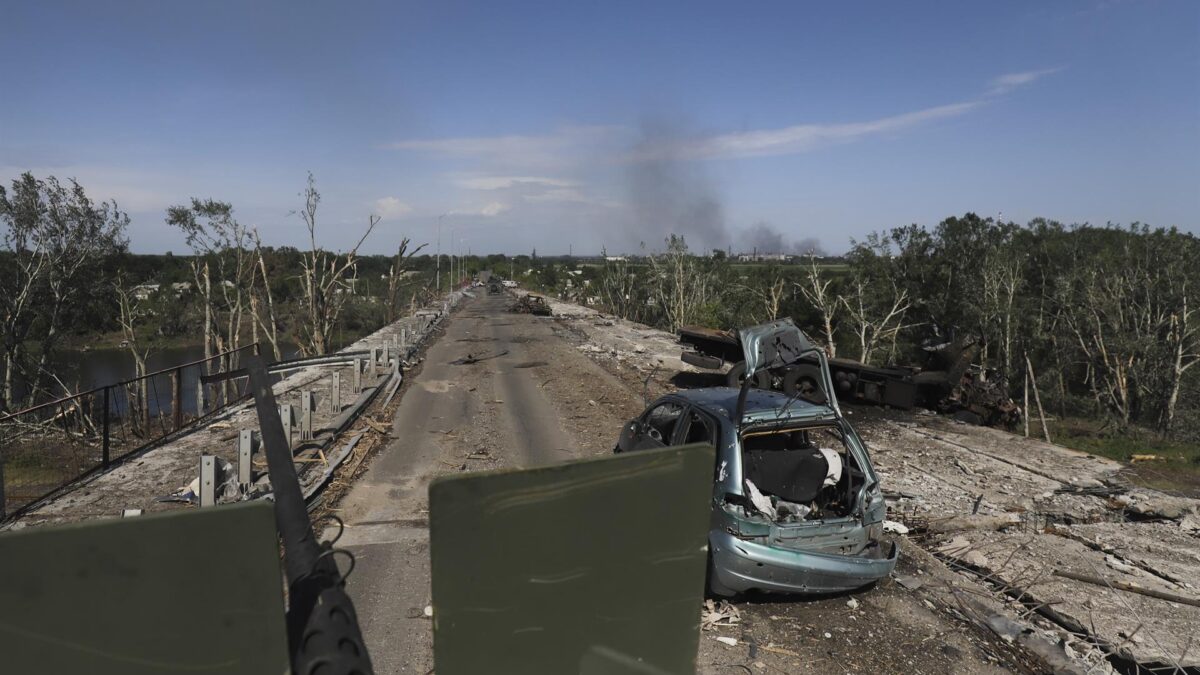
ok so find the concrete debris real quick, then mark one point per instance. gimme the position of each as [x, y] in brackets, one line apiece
[1119, 566]
[976, 522]
[1010, 510]
[1166, 507]
[716, 615]
[727, 641]
[852, 603]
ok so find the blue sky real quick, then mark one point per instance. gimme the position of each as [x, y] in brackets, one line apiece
[585, 124]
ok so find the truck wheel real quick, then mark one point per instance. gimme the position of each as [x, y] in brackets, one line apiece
[804, 381]
[737, 374]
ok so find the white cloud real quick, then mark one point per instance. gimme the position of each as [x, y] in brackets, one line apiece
[528, 151]
[488, 210]
[1009, 81]
[806, 137]
[505, 182]
[494, 209]
[390, 207]
[565, 147]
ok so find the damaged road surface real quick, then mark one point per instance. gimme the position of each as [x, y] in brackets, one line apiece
[547, 401]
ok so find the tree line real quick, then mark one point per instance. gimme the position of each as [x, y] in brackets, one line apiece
[1105, 315]
[66, 271]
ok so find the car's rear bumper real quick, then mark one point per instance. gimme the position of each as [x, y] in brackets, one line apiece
[740, 565]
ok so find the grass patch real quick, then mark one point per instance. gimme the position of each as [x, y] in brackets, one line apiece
[1175, 467]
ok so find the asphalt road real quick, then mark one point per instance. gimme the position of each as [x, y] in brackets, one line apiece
[496, 407]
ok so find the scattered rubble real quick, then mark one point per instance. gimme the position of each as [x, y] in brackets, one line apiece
[1011, 513]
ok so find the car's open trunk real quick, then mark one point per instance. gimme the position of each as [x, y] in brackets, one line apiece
[811, 467]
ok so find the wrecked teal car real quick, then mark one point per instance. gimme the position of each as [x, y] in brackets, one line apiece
[797, 506]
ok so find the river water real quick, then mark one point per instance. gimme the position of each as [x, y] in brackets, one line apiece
[82, 370]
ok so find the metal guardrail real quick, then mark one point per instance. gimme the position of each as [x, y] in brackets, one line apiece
[53, 444]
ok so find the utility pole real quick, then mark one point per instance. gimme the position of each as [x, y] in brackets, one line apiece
[439, 253]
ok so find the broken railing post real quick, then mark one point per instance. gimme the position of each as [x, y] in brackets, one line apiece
[104, 441]
[247, 445]
[3, 503]
[335, 393]
[208, 480]
[177, 397]
[372, 361]
[307, 404]
[285, 417]
[358, 366]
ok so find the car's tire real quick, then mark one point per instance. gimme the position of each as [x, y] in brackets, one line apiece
[713, 585]
[737, 373]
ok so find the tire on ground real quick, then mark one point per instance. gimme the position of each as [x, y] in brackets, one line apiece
[736, 374]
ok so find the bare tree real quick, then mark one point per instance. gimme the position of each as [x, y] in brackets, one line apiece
[139, 402]
[621, 292]
[268, 322]
[1183, 343]
[682, 286]
[326, 278]
[396, 275]
[875, 317]
[815, 290]
[769, 294]
[223, 259]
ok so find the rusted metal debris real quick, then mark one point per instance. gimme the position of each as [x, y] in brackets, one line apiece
[531, 303]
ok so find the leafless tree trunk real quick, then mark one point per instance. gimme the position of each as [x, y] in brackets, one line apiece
[269, 323]
[874, 327]
[324, 276]
[769, 297]
[1184, 340]
[139, 403]
[681, 287]
[395, 278]
[815, 290]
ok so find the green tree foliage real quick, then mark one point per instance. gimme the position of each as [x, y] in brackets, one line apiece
[54, 244]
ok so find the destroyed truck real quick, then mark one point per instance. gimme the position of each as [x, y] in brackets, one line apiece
[532, 303]
[796, 505]
[948, 382]
[854, 381]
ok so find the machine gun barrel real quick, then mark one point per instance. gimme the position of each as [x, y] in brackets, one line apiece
[323, 632]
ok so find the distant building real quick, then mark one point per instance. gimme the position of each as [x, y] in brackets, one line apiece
[764, 257]
[144, 291]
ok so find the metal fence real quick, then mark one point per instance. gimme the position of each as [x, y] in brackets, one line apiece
[53, 444]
